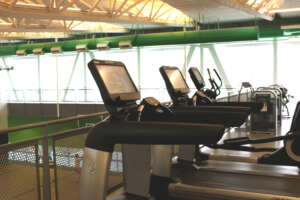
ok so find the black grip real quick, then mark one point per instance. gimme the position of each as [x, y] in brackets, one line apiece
[106, 134]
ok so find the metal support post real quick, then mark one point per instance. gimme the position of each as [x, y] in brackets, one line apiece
[57, 88]
[139, 67]
[275, 61]
[201, 60]
[46, 168]
[37, 166]
[55, 169]
[92, 55]
[220, 67]
[71, 76]
[39, 77]
[190, 55]
[185, 62]
[10, 80]
[84, 78]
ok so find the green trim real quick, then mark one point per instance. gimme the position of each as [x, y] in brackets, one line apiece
[153, 39]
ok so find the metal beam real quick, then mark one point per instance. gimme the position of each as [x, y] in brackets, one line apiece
[139, 67]
[185, 61]
[244, 8]
[218, 63]
[46, 167]
[39, 13]
[92, 55]
[57, 87]
[190, 55]
[201, 60]
[10, 79]
[275, 61]
[94, 6]
[71, 76]
[84, 77]
[39, 77]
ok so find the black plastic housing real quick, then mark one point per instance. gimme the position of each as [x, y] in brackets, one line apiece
[106, 134]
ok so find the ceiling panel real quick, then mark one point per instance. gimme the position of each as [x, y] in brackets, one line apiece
[209, 11]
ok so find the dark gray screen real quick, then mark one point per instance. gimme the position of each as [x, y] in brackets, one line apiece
[198, 76]
[116, 79]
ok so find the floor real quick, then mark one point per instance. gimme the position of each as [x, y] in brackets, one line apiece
[18, 182]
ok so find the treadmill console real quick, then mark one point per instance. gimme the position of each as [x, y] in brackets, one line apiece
[117, 89]
[175, 83]
[197, 78]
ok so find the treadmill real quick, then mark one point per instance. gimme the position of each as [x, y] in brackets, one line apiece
[136, 127]
[230, 116]
[212, 180]
[202, 93]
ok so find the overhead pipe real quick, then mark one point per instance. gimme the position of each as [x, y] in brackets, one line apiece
[153, 39]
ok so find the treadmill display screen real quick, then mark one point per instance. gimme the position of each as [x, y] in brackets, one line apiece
[116, 79]
[176, 79]
[198, 76]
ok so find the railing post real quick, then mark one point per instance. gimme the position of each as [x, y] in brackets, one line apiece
[37, 165]
[46, 168]
[55, 169]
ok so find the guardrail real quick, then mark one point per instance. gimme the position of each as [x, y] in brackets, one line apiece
[34, 153]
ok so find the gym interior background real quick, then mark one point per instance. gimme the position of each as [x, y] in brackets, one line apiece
[246, 41]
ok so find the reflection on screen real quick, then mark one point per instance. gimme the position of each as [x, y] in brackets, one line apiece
[176, 79]
[116, 79]
[198, 76]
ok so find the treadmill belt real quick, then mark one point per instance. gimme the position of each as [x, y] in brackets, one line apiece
[276, 185]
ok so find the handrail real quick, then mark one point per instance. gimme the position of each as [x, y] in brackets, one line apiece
[51, 122]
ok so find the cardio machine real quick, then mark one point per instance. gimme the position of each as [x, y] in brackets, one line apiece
[132, 125]
[213, 180]
[178, 91]
[204, 96]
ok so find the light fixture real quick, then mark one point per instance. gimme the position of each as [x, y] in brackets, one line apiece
[56, 50]
[103, 46]
[38, 51]
[81, 47]
[21, 52]
[125, 45]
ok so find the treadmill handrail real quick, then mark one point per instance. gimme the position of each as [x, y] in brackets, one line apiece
[106, 134]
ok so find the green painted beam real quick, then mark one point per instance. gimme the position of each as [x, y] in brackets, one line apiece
[153, 39]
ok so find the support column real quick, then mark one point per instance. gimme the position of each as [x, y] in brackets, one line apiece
[185, 63]
[46, 168]
[275, 61]
[220, 67]
[201, 60]
[92, 55]
[39, 77]
[71, 76]
[85, 76]
[3, 124]
[139, 67]
[190, 55]
[3, 121]
[57, 88]
[10, 80]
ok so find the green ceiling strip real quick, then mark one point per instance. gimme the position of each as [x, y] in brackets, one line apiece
[153, 39]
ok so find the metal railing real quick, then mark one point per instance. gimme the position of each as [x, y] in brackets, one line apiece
[21, 163]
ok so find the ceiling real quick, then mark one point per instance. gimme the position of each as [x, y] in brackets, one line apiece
[62, 18]
[209, 11]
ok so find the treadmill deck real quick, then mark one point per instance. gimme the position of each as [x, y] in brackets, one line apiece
[247, 177]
